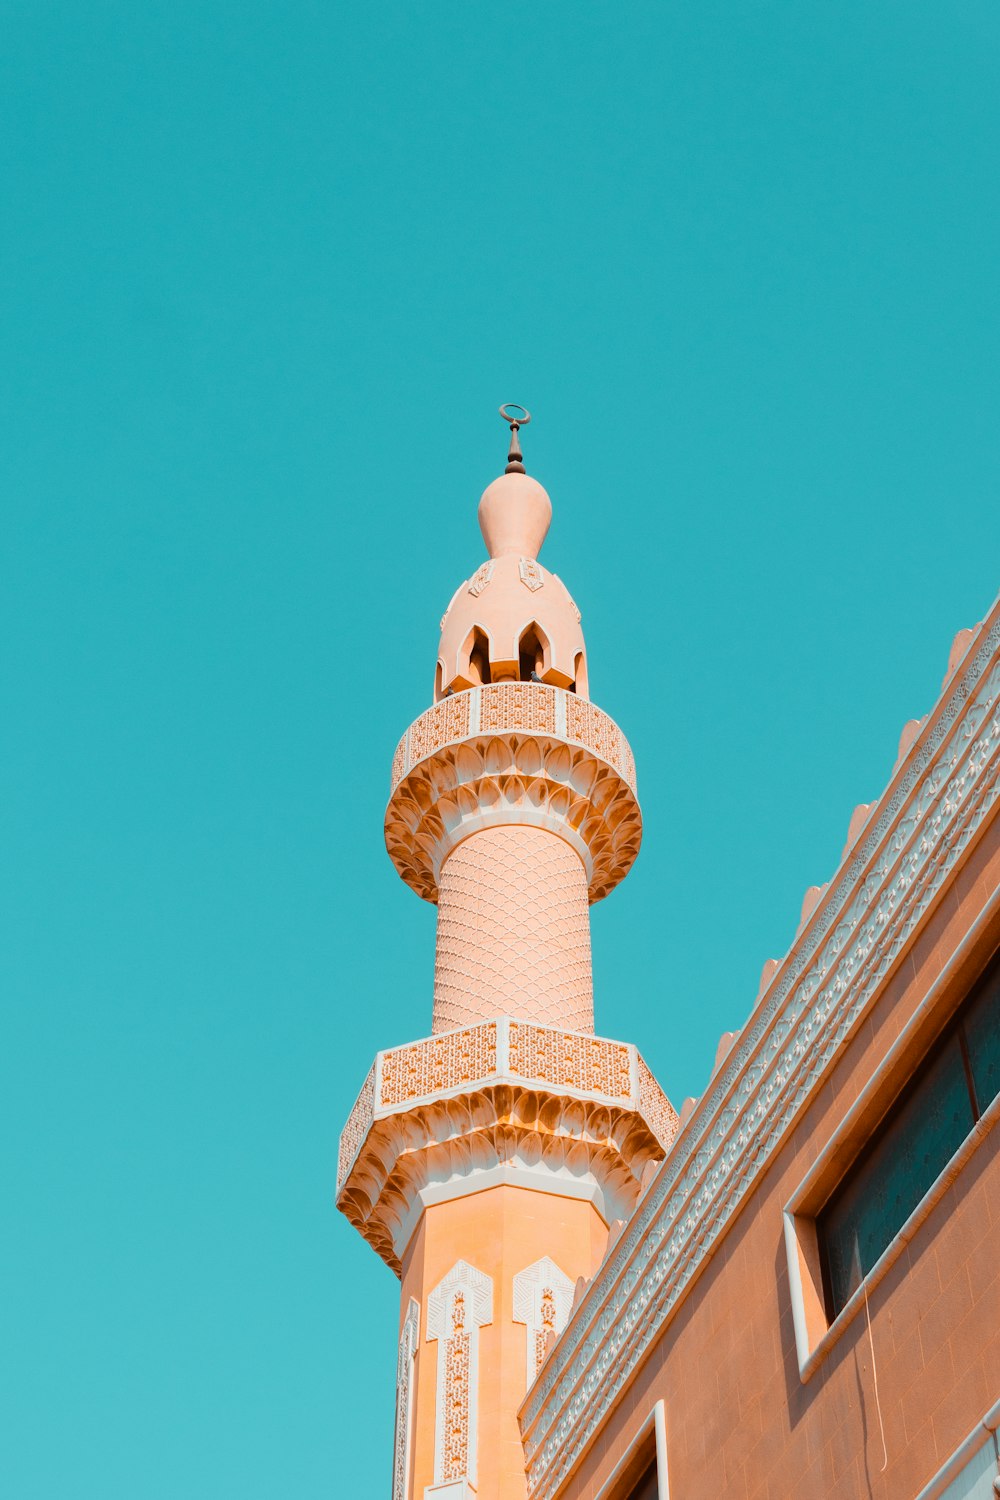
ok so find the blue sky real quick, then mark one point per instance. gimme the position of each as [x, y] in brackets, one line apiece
[267, 272]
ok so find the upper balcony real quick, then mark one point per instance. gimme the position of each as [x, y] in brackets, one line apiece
[515, 707]
[513, 752]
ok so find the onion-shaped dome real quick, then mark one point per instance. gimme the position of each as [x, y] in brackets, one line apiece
[512, 620]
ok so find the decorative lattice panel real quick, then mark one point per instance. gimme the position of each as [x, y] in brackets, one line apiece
[570, 1060]
[655, 1108]
[446, 721]
[440, 1062]
[517, 705]
[356, 1128]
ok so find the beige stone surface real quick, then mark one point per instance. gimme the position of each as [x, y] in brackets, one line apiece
[513, 932]
[499, 1232]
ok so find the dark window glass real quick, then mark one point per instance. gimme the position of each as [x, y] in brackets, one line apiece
[646, 1488]
[913, 1144]
[982, 1035]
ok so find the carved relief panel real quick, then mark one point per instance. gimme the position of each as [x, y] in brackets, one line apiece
[457, 1308]
[543, 1300]
[408, 1340]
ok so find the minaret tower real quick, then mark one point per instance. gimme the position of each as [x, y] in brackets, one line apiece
[488, 1163]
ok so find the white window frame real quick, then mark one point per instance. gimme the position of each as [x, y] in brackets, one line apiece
[815, 1334]
[655, 1420]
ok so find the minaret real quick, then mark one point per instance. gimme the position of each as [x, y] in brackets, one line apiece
[487, 1163]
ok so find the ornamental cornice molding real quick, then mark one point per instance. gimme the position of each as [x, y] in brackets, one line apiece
[511, 753]
[445, 1148]
[937, 802]
[567, 1111]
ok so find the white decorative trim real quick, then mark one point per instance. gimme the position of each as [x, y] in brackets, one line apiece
[964, 1456]
[939, 799]
[504, 1050]
[353, 1135]
[530, 573]
[520, 1171]
[655, 1421]
[561, 1144]
[801, 1240]
[408, 1341]
[543, 1301]
[793, 1255]
[479, 580]
[502, 1101]
[457, 1308]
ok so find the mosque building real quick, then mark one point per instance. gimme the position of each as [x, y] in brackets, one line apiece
[793, 1287]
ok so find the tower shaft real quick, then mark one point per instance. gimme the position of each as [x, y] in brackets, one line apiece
[513, 936]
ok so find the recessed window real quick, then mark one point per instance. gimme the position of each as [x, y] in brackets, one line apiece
[912, 1144]
[646, 1488]
[479, 657]
[531, 654]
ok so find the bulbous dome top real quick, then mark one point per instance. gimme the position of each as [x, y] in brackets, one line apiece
[514, 516]
[512, 620]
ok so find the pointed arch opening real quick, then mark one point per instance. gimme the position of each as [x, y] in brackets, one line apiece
[476, 657]
[580, 684]
[532, 650]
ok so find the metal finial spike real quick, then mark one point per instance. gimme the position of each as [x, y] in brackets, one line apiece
[516, 417]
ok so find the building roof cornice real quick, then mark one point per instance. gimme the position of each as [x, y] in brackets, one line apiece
[907, 849]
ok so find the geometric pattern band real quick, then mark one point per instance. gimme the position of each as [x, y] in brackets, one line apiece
[543, 1300]
[408, 1340]
[457, 1308]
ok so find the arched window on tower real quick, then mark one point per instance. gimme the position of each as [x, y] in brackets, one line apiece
[532, 650]
[478, 647]
[439, 682]
[580, 684]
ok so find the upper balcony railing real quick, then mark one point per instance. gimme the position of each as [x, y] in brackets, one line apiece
[515, 707]
[571, 1063]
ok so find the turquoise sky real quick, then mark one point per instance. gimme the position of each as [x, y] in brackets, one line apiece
[267, 271]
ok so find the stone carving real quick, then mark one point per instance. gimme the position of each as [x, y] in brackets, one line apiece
[655, 1108]
[530, 573]
[513, 778]
[446, 721]
[479, 580]
[441, 1062]
[357, 1125]
[457, 1308]
[499, 1096]
[927, 819]
[524, 951]
[517, 705]
[408, 1340]
[501, 707]
[572, 1061]
[399, 761]
[543, 1300]
[589, 726]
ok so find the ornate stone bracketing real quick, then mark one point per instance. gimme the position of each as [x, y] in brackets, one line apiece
[513, 753]
[500, 1102]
